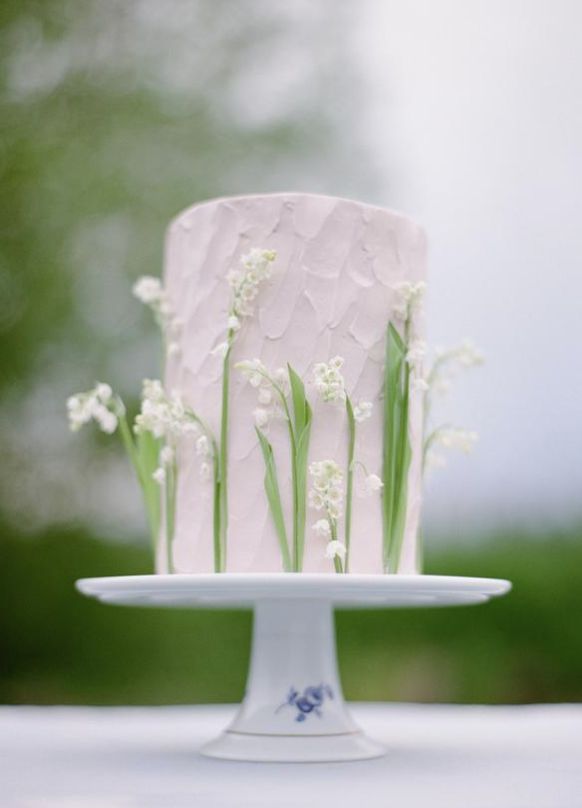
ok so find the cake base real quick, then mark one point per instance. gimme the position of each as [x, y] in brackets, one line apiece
[293, 709]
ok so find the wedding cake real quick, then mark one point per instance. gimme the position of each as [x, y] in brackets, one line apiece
[287, 430]
[283, 304]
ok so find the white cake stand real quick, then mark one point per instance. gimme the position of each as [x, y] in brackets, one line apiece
[293, 709]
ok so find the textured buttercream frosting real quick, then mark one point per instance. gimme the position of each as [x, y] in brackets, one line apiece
[331, 293]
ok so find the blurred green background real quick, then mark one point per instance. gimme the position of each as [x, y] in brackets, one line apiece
[113, 117]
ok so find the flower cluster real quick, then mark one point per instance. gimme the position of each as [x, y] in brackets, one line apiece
[363, 410]
[327, 488]
[449, 361]
[97, 404]
[166, 417]
[270, 388]
[434, 460]
[466, 354]
[150, 291]
[328, 380]
[416, 353]
[409, 297]
[462, 439]
[204, 452]
[415, 356]
[245, 282]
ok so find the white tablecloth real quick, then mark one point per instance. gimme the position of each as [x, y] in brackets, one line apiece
[439, 756]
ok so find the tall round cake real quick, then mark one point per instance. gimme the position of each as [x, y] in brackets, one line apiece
[298, 321]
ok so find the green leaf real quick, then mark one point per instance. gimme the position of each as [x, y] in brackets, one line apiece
[148, 451]
[143, 455]
[300, 405]
[274, 498]
[401, 500]
[170, 511]
[302, 454]
[349, 480]
[395, 413]
[147, 454]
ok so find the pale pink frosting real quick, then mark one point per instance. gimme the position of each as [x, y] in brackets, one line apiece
[331, 293]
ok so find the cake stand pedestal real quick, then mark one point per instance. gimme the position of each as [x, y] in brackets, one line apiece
[293, 709]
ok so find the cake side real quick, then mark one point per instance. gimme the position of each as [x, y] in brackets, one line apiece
[331, 294]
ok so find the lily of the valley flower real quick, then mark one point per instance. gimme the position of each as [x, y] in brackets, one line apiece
[328, 380]
[363, 410]
[327, 488]
[416, 353]
[335, 549]
[452, 438]
[167, 456]
[204, 452]
[98, 404]
[270, 388]
[418, 384]
[409, 297]
[164, 416]
[466, 354]
[434, 460]
[445, 366]
[372, 484]
[150, 291]
[322, 528]
[245, 282]
[449, 361]
[159, 475]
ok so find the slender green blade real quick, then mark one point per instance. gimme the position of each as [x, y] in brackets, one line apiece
[274, 498]
[148, 451]
[301, 481]
[349, 480]
[402, 465]
[393, 412]
[147, 456]
[300, 404]
[401, 500]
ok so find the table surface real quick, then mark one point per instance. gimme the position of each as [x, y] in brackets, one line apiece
[438, 755]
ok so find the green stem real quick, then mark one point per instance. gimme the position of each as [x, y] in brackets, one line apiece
[216, 510]
[128, 442]
[296, 559]
[389, 437]
[337, 562]
[429, 442]
[349, 479]
[401, 466]
[152, 506]
[216, 513]
[293, 442]
[170, 506]
[223, 459]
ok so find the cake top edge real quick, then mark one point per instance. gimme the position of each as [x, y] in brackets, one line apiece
[184, 214]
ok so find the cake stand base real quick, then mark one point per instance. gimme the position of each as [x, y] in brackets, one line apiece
[293, 709]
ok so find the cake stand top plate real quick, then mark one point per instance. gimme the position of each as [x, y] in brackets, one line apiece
[242, 590]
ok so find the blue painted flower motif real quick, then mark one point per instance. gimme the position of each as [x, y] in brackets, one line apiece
[307, 702]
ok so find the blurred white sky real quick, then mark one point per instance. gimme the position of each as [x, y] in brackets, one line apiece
[473, 111]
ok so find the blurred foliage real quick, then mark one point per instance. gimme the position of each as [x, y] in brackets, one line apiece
[58, 647]
[114, 116]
